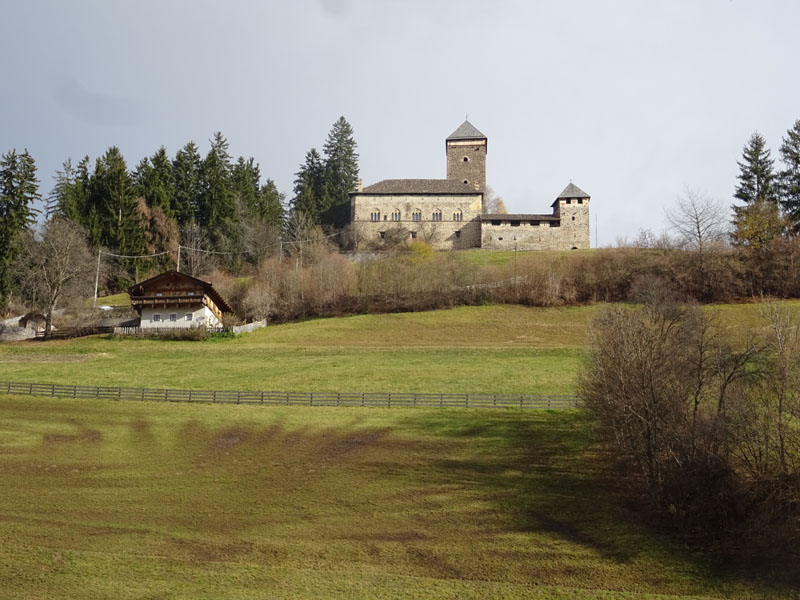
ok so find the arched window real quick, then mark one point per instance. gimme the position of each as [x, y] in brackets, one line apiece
[375, 215]
[437, 215]
[396, 214]
[458, 215]
[416, 215]
[466, 159]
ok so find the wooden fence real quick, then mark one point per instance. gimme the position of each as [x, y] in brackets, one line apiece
[390, 400]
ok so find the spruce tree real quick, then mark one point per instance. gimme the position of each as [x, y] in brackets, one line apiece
[753, 223]
[756, 173]
[216, 205]
[155, 182]
[789, 177]
[186, 175]
[19, 189]
[341, 173]
[311, 197]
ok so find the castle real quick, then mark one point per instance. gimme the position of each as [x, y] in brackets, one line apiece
[450, 214]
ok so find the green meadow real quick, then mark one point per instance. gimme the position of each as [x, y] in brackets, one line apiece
[103, 499]
[130, 500]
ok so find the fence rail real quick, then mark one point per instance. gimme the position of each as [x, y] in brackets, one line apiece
[389, 400]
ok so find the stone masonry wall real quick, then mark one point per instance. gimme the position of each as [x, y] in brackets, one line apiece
[572, 232]
[447, 234]
[473, 169]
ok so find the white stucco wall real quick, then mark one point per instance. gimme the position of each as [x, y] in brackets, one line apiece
[201, 316]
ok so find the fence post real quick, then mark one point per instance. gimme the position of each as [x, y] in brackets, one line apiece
[338, 398]
[238, 397]
[441, 400]
[311, 399]
[466, 397]
[262, 396]
[287, 398]
[214, 396]
[390, 399]
[74, 391]
[362, 398]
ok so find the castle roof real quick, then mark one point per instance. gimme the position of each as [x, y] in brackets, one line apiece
[572, 191]
[517, 217]
[466, 131]
[409, 187]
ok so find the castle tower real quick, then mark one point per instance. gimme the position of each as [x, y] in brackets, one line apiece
[572, 208]
[466, 156]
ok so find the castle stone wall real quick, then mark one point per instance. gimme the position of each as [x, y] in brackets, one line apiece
[447, 234]
[572, 230]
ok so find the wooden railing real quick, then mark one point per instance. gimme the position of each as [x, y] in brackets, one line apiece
[404, 399]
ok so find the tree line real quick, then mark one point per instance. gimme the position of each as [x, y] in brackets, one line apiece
[217, 204]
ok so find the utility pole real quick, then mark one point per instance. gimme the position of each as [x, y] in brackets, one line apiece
[97, 276]
[178, 268]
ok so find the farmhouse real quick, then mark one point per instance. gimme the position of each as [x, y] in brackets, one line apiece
[173, 300]
[451, 213]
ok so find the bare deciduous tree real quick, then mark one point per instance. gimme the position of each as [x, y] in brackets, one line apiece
[195, 260]
[57, 266]
[698, 220]
[493, 204]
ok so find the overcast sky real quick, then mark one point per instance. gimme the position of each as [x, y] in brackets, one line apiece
[632, 100]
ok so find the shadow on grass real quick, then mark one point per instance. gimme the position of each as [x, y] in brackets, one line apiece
[544, 472]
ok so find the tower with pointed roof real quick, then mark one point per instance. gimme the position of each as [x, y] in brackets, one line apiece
[466, 156]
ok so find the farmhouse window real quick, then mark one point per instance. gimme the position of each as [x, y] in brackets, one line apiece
[159, 294]
[188, 316]
[156, 317]
[173, 317]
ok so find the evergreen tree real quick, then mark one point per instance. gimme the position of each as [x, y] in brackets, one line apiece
[311, 196]
[216, 205]
[19, 189]
[246, 182]
[112, 198]
[155, 182]
[341, 173]
[269, 204]
[756, 174]
[62, 202]
[186, 175]
[758, 189]
[789, 177]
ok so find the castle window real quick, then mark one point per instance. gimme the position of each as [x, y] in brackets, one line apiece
[569, 201]
[495, 223]
[466, 159]
[515, 223]
[384, 217]
[396, 214]
[555, 223]
[580, 201]
[534, 223]
[382, 234]
[375, 215]
[573, 218]
[458, 215]
[437, 215]
[467, 182]
[413, 235]
[458, 234]
[416, 215]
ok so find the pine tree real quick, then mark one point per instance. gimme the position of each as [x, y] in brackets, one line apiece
[758, 221]
[186, 174]
[61, 201]
[155, 182]
[756, 173]
[113, 200]
[216, 204]
[269, 204]
[19, 189]
[341, 173]
[789, 177]
[311, 196]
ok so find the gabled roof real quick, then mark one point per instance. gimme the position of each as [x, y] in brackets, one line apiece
[572, 191]
[408, 187]
[136, 289]
[466, 131]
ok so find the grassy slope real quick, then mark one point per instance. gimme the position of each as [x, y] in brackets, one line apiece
[128, 500]
[491, 349]
[469, 349]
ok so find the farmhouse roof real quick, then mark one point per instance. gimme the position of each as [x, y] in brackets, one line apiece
[408, 187]
[466, 131]
[137, 290]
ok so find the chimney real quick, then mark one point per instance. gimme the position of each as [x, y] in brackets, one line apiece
[360, 186]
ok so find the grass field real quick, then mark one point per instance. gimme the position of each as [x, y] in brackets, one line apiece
[129, 500]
